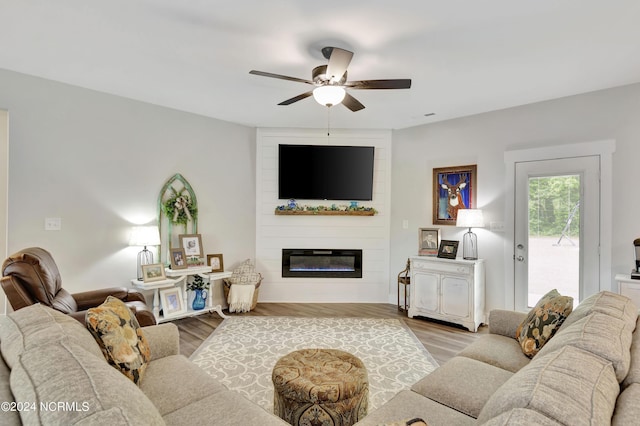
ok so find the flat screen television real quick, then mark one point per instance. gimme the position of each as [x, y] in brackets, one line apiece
[325, 172]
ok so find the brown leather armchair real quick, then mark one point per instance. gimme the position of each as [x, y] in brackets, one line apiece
[31, 276]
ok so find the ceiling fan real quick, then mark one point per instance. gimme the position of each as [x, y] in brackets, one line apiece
[330, 81]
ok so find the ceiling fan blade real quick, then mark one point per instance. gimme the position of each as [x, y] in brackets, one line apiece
[281, 77]
[338, 63]
[352, 103]
[296, 98]
[404, 83]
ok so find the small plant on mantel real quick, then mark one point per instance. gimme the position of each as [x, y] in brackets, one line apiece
[197, 283]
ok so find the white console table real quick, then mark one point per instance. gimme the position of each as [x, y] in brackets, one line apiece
[448, 290]
[178, 277]
[629, 287]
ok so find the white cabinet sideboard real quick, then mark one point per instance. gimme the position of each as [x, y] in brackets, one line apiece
[448, 290]
[629, 287]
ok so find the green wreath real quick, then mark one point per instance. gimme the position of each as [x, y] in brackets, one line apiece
[180, 209]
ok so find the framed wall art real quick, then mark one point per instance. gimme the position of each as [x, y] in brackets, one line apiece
[215, 261]
[448, 249]
[172, 303]
[454, 188]
[192, 244]
[428, 241]
[178, 258]
[153, 272]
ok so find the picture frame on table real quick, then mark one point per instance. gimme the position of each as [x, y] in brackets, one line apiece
[192, 245]
[215, 261]
[454, 188]
[171, 302]
[428, 241]
[448, 249]
[153, 272]
[178, 258]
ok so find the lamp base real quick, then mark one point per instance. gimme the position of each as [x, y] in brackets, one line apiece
[470, 246]
[145, 257]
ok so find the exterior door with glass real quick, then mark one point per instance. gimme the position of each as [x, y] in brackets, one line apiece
[557, 228]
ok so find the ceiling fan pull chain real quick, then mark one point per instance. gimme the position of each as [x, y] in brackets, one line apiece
[328, 121]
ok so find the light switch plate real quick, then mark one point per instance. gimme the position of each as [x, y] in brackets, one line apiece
[496, 226]
[52, 224]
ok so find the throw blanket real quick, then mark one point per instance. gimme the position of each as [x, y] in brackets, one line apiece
[241, 297]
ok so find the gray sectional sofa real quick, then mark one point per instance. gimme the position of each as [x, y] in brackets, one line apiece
[50, 358]
[588, 373]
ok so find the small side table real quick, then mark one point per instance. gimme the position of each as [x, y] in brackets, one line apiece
[404, 281]
[629, 287]
[178, 277]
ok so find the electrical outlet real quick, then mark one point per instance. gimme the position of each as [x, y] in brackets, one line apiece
[52, 224]
[496, 226]
[405, 224]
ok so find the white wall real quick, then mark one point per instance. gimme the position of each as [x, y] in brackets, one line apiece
[369, 233]
[483, 139]
[99, 161]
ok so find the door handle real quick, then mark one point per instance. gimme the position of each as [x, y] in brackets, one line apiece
[520, 258]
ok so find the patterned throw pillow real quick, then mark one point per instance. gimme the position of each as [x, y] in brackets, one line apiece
[119, 335]
[245, 274]
[543, 321]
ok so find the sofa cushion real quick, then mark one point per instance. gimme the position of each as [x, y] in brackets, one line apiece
[543, 321]
[408, 404]
[521, 417]
[160, 376]
[605, 302]
[7, 417]
[120, 338]
[94, 392]
[601, 335]
[497, 350]
[224, 408]
[38, 325]
[627, 410]
[542, 386]
[456, 384]
[633, 376]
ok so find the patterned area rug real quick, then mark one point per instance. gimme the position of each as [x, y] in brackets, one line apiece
[241, 352]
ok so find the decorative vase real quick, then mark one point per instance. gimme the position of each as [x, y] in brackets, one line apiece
[199, 300]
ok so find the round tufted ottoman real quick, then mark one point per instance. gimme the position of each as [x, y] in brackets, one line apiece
[320, 387]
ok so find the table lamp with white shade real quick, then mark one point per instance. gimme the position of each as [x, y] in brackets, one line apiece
[470, 218]
[144, 236]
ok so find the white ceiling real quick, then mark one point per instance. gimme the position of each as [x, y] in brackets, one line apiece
[464, 56]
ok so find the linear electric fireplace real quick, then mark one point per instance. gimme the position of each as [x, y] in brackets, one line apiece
[322, 263]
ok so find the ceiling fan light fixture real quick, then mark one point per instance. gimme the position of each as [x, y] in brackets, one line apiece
[329, 95]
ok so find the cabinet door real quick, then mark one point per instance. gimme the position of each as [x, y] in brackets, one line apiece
[455, 296]
[426, 291]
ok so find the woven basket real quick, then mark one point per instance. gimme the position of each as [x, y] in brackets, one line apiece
[254, 303]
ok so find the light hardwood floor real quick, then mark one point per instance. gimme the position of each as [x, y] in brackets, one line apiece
[442, 340]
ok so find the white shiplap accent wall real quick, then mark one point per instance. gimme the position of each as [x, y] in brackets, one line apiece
[369, 233]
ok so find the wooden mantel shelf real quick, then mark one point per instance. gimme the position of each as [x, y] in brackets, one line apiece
[325, 212]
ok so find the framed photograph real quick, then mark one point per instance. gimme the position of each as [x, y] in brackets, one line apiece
[454, 188]
[172, 302]
[428, 241]
[153, 272]
[178, 258]
[448, 249]
[192, 244]
[215, 261]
